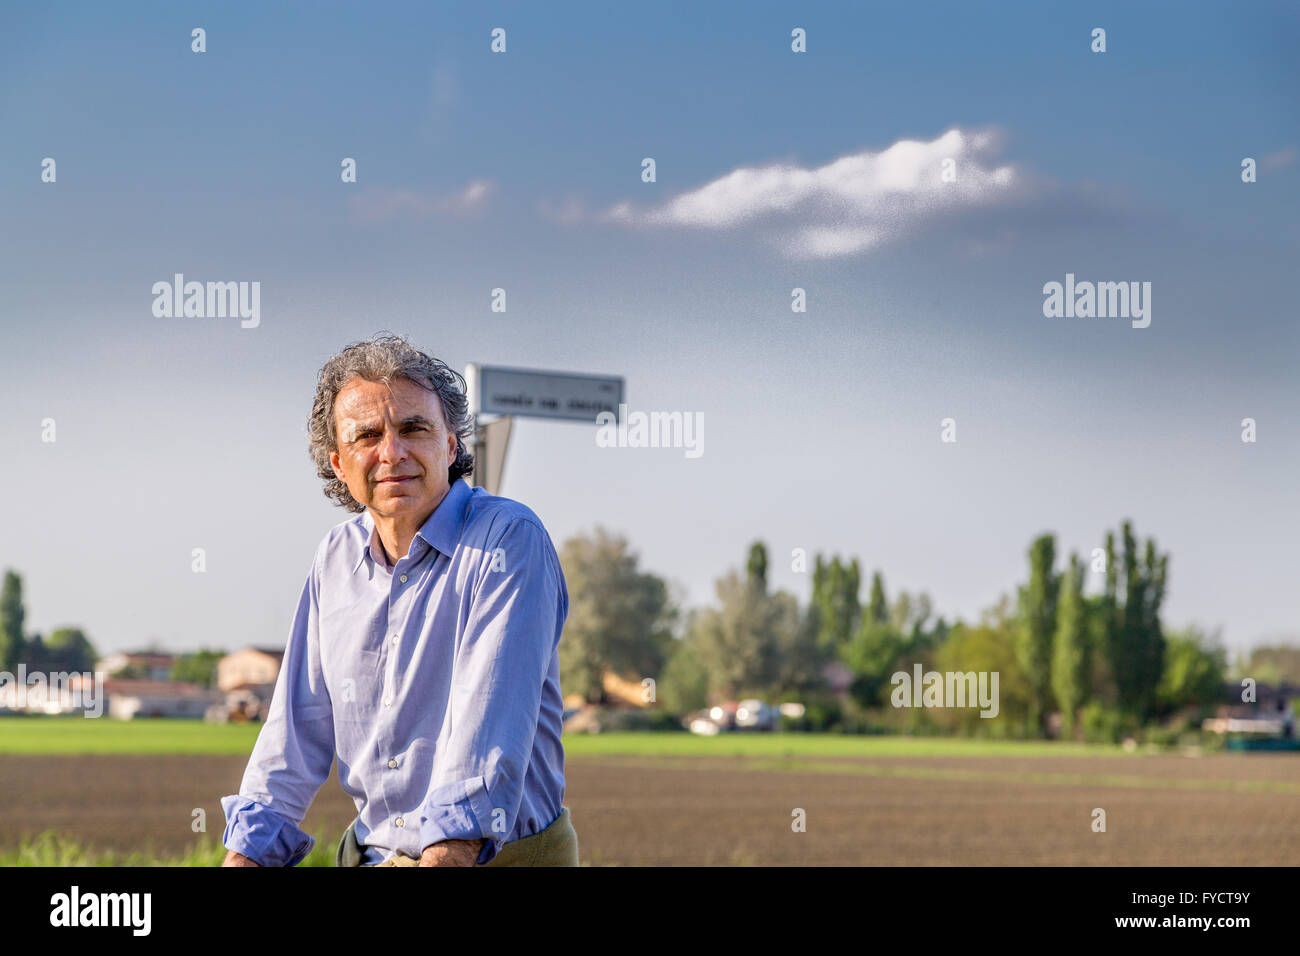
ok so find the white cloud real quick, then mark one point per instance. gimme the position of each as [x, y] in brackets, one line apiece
[849, 206]
[378, 204]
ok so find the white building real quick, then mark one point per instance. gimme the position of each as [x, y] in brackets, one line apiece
[128, 699]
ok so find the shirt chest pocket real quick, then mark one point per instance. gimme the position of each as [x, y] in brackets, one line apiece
[352, 647]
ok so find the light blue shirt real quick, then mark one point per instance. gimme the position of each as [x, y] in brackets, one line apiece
[435, 681]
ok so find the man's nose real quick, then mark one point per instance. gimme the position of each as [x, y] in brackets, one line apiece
[392, 447]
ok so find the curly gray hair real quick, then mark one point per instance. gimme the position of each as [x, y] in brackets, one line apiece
[382, 359]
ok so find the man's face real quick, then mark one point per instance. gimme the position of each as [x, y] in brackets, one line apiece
[386, 434]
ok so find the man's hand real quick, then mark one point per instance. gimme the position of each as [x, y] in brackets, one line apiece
[237, 859]
[451, 853]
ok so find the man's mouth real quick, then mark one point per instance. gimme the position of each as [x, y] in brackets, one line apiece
[399, 479]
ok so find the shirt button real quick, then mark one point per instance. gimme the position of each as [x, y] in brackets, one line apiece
[392, 765]
[400, 822]
[394, 638]
[388, 702]
[402, 579]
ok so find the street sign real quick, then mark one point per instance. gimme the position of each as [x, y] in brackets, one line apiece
[495, 390]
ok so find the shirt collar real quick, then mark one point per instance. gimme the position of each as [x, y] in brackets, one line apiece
[441, 530]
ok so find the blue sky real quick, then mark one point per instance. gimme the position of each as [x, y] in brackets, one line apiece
[479, 170]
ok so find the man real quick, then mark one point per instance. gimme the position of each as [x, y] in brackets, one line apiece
[424, 647]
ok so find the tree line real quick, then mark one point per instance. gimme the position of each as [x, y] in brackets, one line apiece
[1079, 644]
[66, 650]
[1081, 649]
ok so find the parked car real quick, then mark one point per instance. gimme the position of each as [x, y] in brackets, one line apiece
[756, 715]
[704, 727]
[734, 716]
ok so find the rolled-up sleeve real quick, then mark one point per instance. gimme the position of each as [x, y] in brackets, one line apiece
[501, 666]
[293, 753]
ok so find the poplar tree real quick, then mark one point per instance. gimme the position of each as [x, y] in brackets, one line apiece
[874, 649]
[740, 643]
[835, 605]
[1135, 642]
[1071, 664]
[758, 566]
[1037, 626]
[878, 607]
[12, 619]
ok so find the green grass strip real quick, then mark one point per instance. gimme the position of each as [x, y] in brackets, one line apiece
[52, 848]
[53, 736]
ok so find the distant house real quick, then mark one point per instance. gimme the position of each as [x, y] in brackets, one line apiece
[248, 679]
[128, 699]
[59, 693]
[249, 667]
[619, 690]
[149, 664]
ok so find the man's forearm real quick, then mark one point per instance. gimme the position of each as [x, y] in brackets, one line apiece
[451, 853]
[237, 859]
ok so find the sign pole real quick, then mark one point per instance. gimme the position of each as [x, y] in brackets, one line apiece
[475, 478]
[508, 392]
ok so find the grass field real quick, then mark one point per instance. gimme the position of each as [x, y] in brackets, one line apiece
[111, 793]
[78, 735]
[52, 848]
